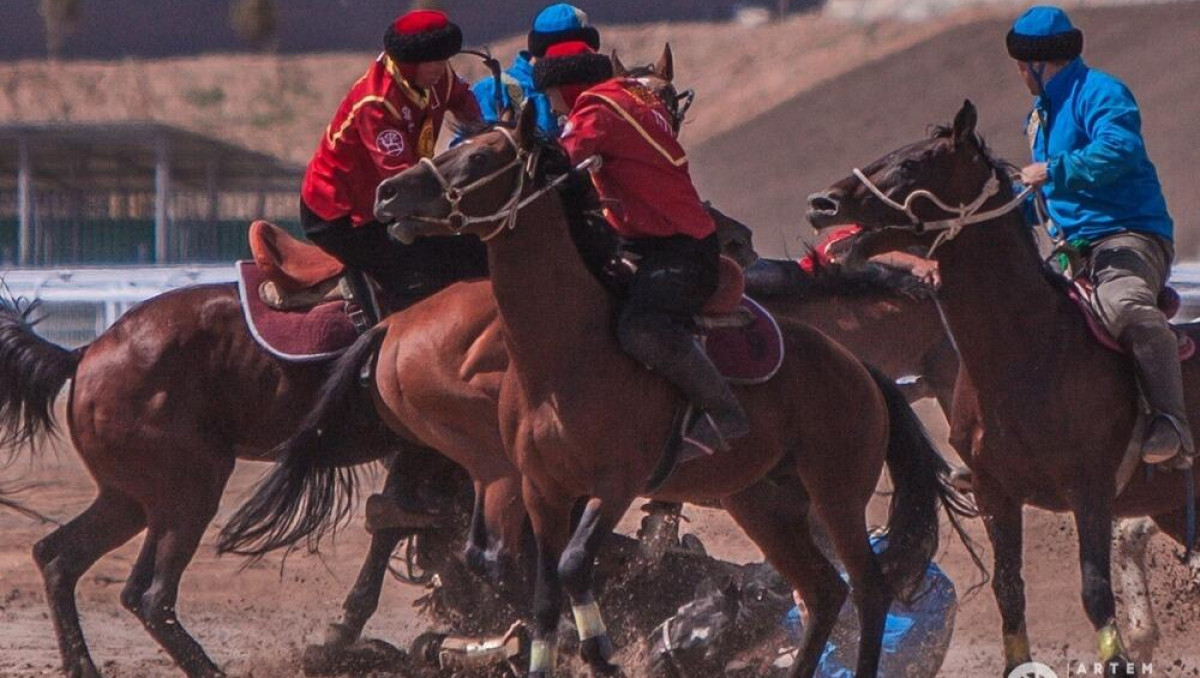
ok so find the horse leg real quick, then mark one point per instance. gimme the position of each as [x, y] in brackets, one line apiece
[1005, 524]
[475, 553]
[1133, 540]
[845, 521]
[65, 554]
[780, 528]
[176, 529]
[940, 370]
[1174, 525]
[1093, 521]
[576, 570]
[551, 520]
[363, 599]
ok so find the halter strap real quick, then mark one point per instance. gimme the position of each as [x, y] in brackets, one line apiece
[965, 215]
[456, 220]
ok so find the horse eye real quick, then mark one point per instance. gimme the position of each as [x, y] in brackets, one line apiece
[477, 159]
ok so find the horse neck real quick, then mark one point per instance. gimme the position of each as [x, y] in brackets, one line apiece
[999, 304]
[553, 309]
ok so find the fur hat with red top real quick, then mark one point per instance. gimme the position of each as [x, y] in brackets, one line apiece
[422, 35]
[571, 63]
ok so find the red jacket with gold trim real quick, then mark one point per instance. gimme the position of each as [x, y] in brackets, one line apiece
[382, 127]
[644, 181]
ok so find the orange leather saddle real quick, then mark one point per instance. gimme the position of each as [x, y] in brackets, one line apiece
[289, 262]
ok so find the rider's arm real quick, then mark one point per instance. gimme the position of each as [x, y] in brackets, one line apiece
[586, 132]
[1112, 122]
[461, 102]
[485, 96]
[382, 133]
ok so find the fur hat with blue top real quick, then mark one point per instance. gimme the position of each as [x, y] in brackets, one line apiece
[1044, 34]
[561, 22]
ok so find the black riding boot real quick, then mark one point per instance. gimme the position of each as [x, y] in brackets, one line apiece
[673, 352]
[1155, 352]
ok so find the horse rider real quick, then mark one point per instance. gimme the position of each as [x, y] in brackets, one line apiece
[653, 207]
[557, 23]
[388, 121]
[1103, 193]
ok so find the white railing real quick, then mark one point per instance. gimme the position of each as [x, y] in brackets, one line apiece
[78, 304]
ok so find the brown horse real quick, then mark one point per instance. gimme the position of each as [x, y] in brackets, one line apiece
[887, 318]
[1043, 412]
[580, 418]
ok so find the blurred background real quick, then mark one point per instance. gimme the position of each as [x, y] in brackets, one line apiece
[148, 133]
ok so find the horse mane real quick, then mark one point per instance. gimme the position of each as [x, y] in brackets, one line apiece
[1004, 168]
[867, 280]
[596, 242]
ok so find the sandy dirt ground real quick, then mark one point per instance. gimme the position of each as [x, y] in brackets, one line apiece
[256, 621]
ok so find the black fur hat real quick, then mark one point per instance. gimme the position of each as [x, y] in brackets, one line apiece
[422, 35]
[571, 63]
[1057, 47]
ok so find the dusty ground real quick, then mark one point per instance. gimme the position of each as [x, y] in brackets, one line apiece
[256, 621]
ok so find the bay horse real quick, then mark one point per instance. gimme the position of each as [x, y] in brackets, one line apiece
[1043, 414]
[159, 408]
[582, 420]
[162, 404]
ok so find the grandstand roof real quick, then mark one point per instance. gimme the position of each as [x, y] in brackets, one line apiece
[123, 156]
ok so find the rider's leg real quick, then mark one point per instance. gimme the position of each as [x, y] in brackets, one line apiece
[675, 277]
[407, 273]
[1130, 271]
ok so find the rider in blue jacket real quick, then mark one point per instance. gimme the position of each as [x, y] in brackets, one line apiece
[1103, 194]
[555, 24]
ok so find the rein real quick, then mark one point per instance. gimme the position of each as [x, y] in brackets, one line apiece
[965, 214]
[457, 220]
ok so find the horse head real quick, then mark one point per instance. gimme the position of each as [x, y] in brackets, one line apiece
[472, 188]
[659, 79]
[938, 180]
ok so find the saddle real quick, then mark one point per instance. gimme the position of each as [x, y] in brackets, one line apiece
[295, 298]
[1169, 302]
[297, 274]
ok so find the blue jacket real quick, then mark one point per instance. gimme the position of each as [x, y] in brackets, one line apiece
[1101, 180]
[518, 82]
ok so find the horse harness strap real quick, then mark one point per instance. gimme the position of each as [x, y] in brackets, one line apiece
[456, 220]
[965, 214]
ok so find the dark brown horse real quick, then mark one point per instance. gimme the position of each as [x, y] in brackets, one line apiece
[581, 420]
[887, 318]
[1043, 412]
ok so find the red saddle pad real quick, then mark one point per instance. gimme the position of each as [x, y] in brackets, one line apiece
[303, 335]
[750, 354]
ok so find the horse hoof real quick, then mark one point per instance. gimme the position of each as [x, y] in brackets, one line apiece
[84, 669]
[596, 652]
[338, 635]
[383, 513]
[359, 658]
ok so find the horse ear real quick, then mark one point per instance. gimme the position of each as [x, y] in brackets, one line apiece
[665, 68]
[619, 69]
[508, 116]
[527, 124]
[964, 123]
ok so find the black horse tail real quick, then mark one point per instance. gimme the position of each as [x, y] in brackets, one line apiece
[32, 372]
[920, 480]
[307, 494]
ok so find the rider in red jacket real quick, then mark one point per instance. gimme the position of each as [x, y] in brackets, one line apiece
[388, 121]
[651, 203]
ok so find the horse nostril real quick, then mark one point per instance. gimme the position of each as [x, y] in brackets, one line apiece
[823, 202]
[387, 192]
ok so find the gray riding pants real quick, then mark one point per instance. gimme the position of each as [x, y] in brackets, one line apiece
[1129, 270]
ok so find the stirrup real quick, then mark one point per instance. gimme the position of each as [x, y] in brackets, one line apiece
[1182, 459]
